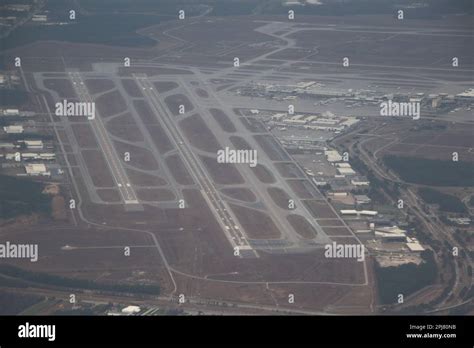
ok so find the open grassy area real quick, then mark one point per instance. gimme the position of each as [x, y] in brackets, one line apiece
[54, 280]
[405, 279]
[447, 203]
[12, 98]
[22, 197]
[431, 172]
[13, 303]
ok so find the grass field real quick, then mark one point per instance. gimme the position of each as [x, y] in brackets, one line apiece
[447, 203]
[22, 197]
[432, 172]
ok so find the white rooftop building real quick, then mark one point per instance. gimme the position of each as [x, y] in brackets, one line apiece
[358, 212]
[469, 93]
[343, 165]
[7, 146]
[131, 310]
[33, 144]
[13, 129]
[11, 112]
[360, 182]
[332, 156]
[36, 169]
[362, 199]
[278, 116]
[415, 246]
[346, 171]
[392, 233]
[47, 156]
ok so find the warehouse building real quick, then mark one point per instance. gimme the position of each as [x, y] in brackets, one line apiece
[11, 112]
[37, 169]
[362, 199]
[33, 144]
[332, 156]
[13, 129]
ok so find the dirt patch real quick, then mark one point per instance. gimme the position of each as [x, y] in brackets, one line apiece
[260, 171]
[202, 93]
[330, 223]
[139, 157]
[320, 210]
[223, 120]
[89, 263]
[279, 196]
[153, 126]
[178, 170]
[289, 170]
[131, 87]
[263, 174]
[198, 134]
[174, 101]
[84, 135]
[222, 173]
[63, 87]
[253, 125]
[239, 143]
[99, 85]
[337, 231]
[125, 127]
[160, 138]
[216, 32]
[301, 225]
[109, 195]
[153, 195]
[55, 75]
[271, 147]
[152, 71]
[58, 207]
[143, 110]
[165, 86]
[221, 87]
[302, 188]
[241, 194]
[97, 168]
[256, 224]
[110, 103]
[144, 179]
[51, 189]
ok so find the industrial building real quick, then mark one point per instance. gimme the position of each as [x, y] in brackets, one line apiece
[460, 220]
[8, 146]
[37, 169]
[39, 18]
[414, 245]
[131, 310]
[14, 129]
[362, 199]
[332, 156]
[33, 144]
[346, 171]
[358, 212]
[391, 234]
[359, 181]
[46, 156]
[11, 112]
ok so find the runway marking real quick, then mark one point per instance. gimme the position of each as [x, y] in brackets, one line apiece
[210, 194]
[118, 172]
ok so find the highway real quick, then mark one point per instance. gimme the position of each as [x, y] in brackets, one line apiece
[118, 172]
[437, 231]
